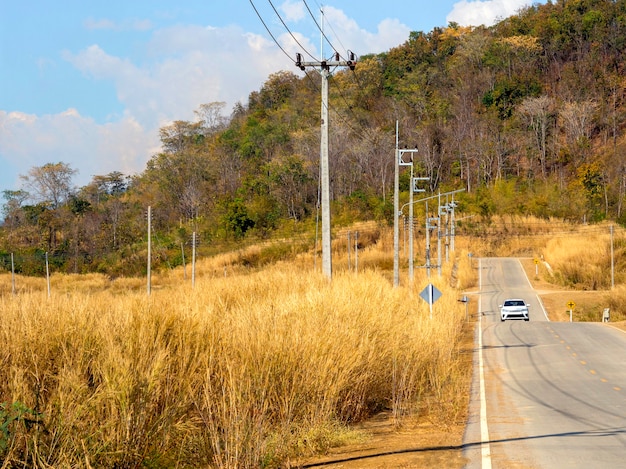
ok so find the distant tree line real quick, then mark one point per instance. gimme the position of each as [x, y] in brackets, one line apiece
[527, 116]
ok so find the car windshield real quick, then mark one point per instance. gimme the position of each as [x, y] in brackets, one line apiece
[514, 303]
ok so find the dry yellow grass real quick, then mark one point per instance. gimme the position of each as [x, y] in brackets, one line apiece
[583, 260]
[247, 369]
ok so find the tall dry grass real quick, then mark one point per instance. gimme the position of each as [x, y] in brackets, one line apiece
[247, 369]
[583, 259]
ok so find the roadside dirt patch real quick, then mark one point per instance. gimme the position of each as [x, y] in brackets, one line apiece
[416, 445]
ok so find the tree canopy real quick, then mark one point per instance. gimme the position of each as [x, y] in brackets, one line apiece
[534, 103]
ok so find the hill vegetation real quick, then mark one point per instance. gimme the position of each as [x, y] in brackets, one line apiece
[527, 116]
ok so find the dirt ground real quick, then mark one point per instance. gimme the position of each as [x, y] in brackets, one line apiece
[416, 445]
[421, 444]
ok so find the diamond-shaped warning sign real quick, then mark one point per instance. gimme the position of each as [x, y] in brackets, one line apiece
[430, 294]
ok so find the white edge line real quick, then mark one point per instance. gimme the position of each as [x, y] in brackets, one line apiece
[485, 447]
[545, 313]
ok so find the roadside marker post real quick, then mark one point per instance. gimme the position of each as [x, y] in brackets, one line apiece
[465, 300]
[571, 305]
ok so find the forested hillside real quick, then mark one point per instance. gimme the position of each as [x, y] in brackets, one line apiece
[527, 116]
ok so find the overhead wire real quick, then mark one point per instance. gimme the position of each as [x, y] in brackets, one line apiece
[290, 33]
[332, 29]
[270, 32]
[354, 74]
[361, 130]
[358, 82]
[319, 27]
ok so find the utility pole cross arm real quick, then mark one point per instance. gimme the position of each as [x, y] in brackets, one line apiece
[327, 64]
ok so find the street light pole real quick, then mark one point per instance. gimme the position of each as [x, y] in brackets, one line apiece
[411, 227]
[396, 214]
[427, 242]
[428, 220]
[439, 261]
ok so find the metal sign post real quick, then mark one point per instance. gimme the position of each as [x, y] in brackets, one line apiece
[571, 305]
[430, 294]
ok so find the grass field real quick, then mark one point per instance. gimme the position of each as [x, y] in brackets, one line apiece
[251, 368]
[260, 364]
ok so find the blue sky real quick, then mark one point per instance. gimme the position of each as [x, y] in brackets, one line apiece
[90, 83]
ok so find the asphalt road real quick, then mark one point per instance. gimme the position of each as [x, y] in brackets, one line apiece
[553, 394]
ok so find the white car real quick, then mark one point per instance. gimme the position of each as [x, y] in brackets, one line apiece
[514, 308]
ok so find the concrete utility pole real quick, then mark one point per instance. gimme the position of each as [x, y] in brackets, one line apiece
[149, 266]
[428, 226]
[397, 212]
[324, 69]
[414, 189]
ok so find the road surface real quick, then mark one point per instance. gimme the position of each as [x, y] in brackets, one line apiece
[552, 394]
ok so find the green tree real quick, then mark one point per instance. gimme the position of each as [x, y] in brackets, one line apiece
[292, 185]
[12, 208]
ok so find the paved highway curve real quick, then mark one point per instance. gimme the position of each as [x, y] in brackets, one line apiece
[554, 392]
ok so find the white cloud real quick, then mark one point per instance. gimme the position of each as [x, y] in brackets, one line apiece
[90, 148]
[294, 11]
[390, 33]
[107, 24]
[187, 66]
[179, 68]
[94, 24]
[488, 12]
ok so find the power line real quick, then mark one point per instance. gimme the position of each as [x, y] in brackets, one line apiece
[361, 131]
[319, 27]
[349, 53]
[310, 55]
[333, 30]
[269, 32]
[289, 31]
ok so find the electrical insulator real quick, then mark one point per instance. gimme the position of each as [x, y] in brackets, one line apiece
[299, 61]
[351, 60]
